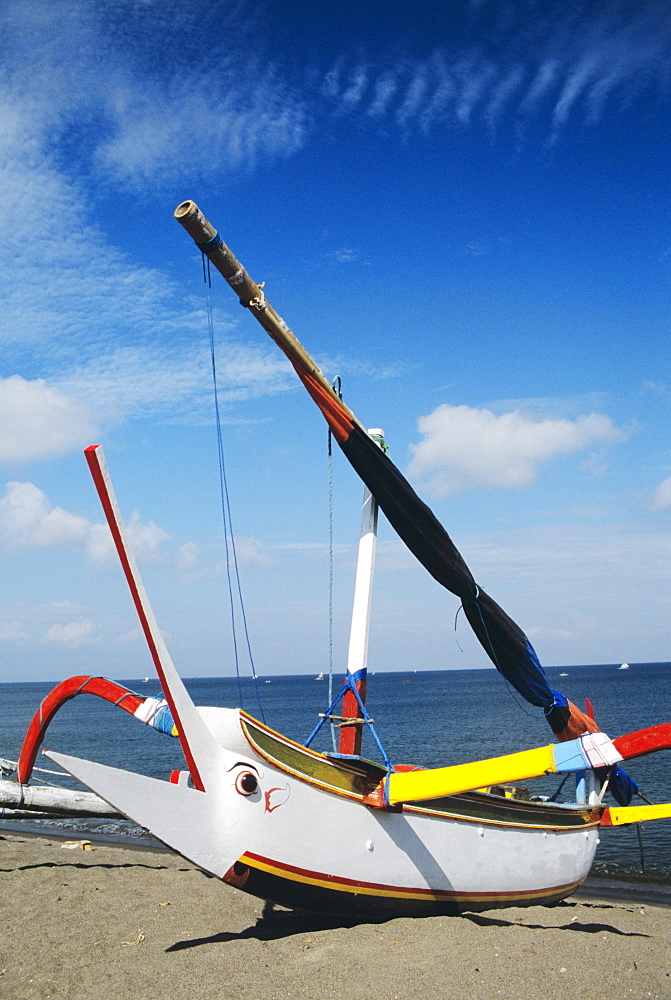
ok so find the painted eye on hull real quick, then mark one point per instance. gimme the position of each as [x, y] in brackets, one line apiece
[246, 783]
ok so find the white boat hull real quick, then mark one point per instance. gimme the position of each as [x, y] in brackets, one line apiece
[311, 842]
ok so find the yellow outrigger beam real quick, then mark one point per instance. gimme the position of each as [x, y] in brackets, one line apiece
[416, 786]
[621, 815]
[589, 752]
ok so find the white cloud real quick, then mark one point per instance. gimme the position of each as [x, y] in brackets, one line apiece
[37, 421]
[251, 552]
[357, 84]
[73, 305]
[661, 499]
[466, 448]
[476, 82]
[174, 382]
[415, 95]
[70, 634]
[28, 520]
[386, 86]
[12, 632]
[346, 255]
[188, 557]
[583, 592]
[655, 388]
[156, 110]
[502, 94]
[144, 539]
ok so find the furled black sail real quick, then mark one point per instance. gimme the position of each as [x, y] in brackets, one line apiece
[503, 640]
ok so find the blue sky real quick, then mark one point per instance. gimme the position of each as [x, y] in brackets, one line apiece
[462, 209]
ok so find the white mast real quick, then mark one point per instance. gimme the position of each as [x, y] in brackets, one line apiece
[357, 657]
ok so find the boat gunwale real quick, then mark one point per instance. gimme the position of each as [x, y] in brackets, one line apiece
[584, 816]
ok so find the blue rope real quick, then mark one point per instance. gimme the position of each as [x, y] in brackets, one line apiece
[209, 246]
[229, 537]
[349, 685]
[337, 388]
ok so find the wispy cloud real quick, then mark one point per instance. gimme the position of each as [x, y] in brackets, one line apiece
[172, 380]
[465, 448]
[564, 64]
[138, 113]
[214, 124]
[98, 337]
[193, 564]
[570, 563]
[149, 110]
[70, 634]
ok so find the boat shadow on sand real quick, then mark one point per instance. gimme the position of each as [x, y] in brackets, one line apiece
[83, 866]
[573, 925]
[275, 924]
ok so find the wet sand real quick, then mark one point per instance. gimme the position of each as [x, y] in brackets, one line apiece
[114, 923]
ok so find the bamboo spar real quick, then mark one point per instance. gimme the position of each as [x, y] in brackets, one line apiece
[250, 294]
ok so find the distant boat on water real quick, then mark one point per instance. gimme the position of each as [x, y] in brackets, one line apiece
[625, 666]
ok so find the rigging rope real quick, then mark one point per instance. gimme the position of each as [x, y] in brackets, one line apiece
[337, 388]
[229, 537]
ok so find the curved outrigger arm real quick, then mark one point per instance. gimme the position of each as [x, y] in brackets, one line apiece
[205, 823]
[152, 711]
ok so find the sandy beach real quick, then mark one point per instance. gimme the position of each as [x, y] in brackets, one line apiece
[120, 923]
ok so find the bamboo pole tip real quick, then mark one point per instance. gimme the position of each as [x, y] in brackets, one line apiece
[186, 208]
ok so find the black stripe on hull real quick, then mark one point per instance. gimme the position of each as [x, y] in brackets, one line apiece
[347, 902]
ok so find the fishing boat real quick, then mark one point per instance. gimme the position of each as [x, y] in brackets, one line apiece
[334, 832]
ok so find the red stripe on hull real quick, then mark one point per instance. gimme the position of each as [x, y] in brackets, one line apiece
[292, 886]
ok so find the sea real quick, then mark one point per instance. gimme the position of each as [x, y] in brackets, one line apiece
[423, 717]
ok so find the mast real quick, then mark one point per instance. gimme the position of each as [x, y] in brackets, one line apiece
[357, 659]
[251, 296]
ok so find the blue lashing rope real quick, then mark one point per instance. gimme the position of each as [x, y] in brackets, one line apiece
[349, 685]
